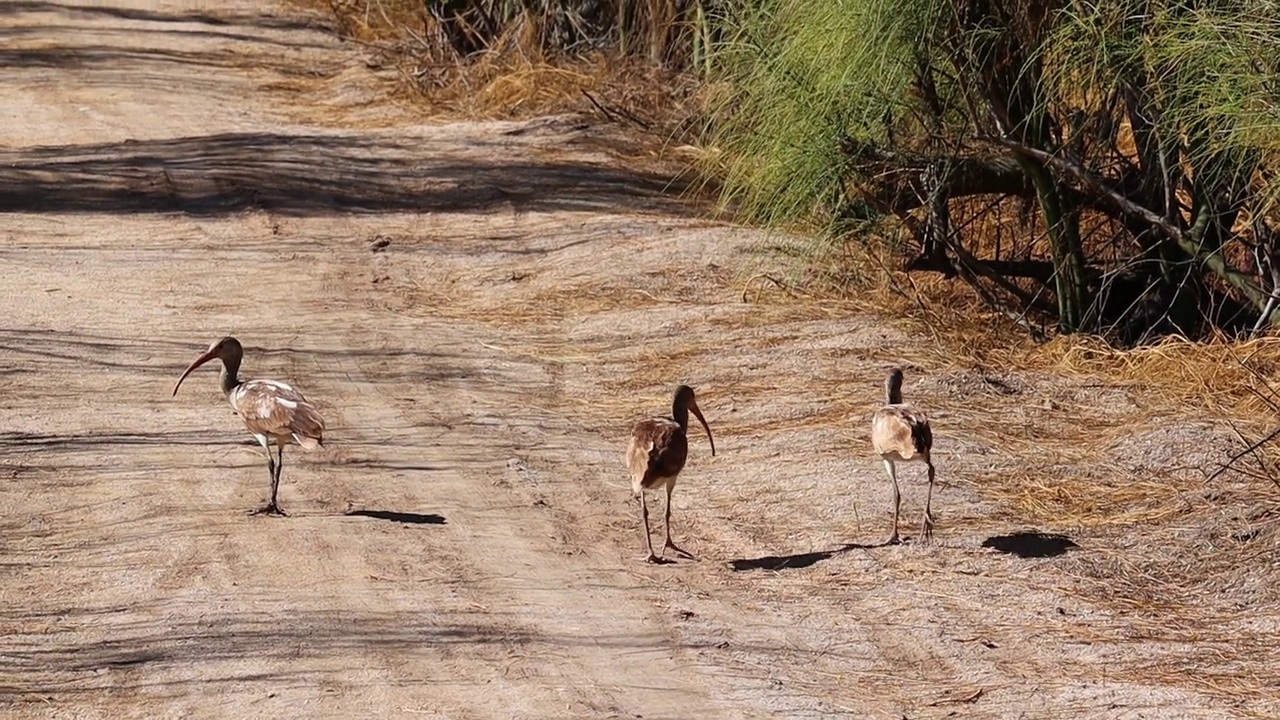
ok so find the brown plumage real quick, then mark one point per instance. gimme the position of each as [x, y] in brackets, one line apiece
[656, 455]
[901, 433]
[274, 412]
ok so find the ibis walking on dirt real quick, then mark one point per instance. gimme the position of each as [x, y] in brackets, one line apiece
[659, 447]
[901, 433]
[274, 412]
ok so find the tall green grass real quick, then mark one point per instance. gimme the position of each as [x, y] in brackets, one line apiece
[1209, 72]
[795, 78]
[807, 91]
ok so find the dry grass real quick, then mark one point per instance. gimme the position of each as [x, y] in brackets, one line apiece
[516, 79]
[1219, 376]
[1204, 595]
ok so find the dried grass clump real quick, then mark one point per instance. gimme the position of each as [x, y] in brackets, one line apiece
[372, 20]
[1205, 590]
[522, 73]
[1222, 376]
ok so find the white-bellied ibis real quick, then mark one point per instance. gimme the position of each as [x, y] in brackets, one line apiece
[659, 447]
[901, 433]
[274, 412]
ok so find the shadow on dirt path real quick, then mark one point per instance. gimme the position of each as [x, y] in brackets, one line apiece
[314, 175]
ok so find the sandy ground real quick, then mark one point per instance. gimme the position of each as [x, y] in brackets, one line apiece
[480, 310]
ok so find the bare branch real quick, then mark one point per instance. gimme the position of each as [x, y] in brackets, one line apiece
[1248, 450]
[1188, 240]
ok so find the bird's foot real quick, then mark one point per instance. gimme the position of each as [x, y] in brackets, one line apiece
[269, 509]
[680, 551]
[926, 530]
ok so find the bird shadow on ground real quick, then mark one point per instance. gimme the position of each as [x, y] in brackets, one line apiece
[400, 517]
[1031, 544]
[798, 560]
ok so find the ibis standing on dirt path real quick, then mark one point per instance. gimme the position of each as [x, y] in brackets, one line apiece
[659, 446]
[901, 433]
[273, 411]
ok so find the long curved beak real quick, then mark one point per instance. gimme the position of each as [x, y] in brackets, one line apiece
[698, 414]
[194, 364]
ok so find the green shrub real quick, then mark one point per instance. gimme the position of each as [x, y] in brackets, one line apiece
[1140, 135]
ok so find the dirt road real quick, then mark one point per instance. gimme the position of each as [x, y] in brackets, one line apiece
[480, 310]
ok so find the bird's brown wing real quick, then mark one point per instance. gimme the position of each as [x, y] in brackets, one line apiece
[921, 432]
[658, 450]
[278, 410]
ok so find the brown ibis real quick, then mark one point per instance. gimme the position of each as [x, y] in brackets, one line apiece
[274, 412]
[657, 453]
[901, 433]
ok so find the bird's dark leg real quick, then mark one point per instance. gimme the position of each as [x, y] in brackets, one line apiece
[274, 466]
[644, 520]
[926, 523]
[274, 506]
[667, 523]
[897, 501]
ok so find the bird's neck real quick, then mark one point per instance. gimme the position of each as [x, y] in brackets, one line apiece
[230, 377]
[893, 391]
[680, 414]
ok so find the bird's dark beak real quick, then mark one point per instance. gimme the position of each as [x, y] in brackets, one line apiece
[698, 414]
[209, 355]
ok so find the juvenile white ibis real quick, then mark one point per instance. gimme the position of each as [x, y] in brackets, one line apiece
[656, 455]
[273, 411]
[901, 433]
